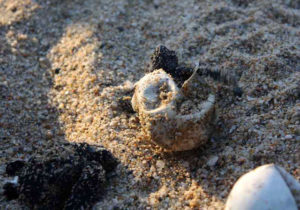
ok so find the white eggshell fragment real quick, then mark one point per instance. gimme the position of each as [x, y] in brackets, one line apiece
[157, 100]
[292, 183]
[148, 98]
[264, 188]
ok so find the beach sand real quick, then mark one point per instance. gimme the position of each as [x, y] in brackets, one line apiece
[66, 66]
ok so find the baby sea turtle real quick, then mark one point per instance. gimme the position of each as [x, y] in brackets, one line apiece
[176, 105]
[74, 182]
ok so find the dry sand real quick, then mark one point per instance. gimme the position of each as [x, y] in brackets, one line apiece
[65, 65]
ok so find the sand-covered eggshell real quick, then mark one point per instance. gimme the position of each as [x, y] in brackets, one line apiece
[266, 187]
[156, 99]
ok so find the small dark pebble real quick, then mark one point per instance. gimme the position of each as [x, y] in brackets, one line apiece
[242, 3]
[102, 45]
[57, 70]
[74, 182]
[237, 91]
[14, 9]
[124, 104]
[120, 28]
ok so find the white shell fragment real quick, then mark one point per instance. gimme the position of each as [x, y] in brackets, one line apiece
[157, 100]
[266, 187]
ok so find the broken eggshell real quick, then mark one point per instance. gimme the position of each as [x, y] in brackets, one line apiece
[156, 99]
[266, 187]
